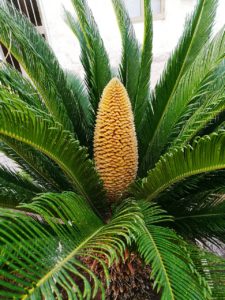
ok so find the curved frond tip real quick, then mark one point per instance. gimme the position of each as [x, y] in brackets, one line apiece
[47, 260]
[206, 154]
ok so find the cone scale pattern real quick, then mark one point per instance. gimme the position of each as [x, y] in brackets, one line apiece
[115, 142]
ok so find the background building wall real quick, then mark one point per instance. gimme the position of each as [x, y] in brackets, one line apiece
[166, 32]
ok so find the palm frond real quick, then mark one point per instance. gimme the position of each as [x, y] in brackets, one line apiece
[42, 169]
[206, 154]
[16, 187]
[19, 178]
[48, 265]
[170, 261]
[197, 205]
[97, 66]
[85, 107]
[41, 65]
[37, 59]
[74, 25]
[205, 221]
[131, 55]
[211, 267]
[84, 57]
[193, 192]
[44, 134]
[203, 110]
[11, 78]
[143, 87]
[175, 90]
[29, 159]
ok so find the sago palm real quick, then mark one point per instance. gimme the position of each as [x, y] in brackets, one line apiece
[118, 189]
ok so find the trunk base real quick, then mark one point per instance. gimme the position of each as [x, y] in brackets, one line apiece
[131, 280]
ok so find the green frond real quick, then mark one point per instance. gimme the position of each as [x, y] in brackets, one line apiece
[96, 57]
[15, 187]
[38, 60]
[44, 134]
[206, 154]
[19, 178]
[193, 192]
[131, 55]
[205, 221]
[215, 125]
[74, 25]
[143, 87]
[84, 56]
[41, 65]
[42, 169]
[153, 213]
[32, 161]
[12, 79]
[211, 267]
[85, 107]
[43, 265]
[193, 59]
[171, 265]
[204, 109]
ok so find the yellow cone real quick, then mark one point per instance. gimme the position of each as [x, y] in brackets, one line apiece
[115, 142]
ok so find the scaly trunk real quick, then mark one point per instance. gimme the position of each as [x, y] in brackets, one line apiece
[130, 279]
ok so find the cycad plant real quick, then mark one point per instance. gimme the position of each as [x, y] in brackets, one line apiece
[118, 189]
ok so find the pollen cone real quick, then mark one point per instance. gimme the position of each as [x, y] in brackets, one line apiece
[115, 142]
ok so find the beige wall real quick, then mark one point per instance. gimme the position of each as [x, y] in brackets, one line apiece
[166, 32]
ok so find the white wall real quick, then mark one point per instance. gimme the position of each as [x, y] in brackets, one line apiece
[166, 32]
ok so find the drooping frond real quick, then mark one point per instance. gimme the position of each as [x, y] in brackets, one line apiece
[46, 264]
[169, 259]
[115, 142]
[36, 164]
[15, 187]
[30, 160]
[206, 154]
[49, 137]
[175, 90]
[96, 57]
[192, 193]
[37, 59]
[19, 178]
[131, 54]
[12, 79]
[41, 65]
[205, 221]
[204, 109]
[143, 87]
[211, 267]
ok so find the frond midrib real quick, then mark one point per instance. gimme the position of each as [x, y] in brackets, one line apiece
[187, 127]
[183, 176]
[175, 85]
[41, 92]
[52, 156]
[200, 216]
[162, 263]
[59, 265]
[33, 167]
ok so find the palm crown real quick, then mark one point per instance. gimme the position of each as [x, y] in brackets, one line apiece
[60, 214]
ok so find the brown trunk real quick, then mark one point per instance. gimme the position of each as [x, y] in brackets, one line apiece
[129, 280]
